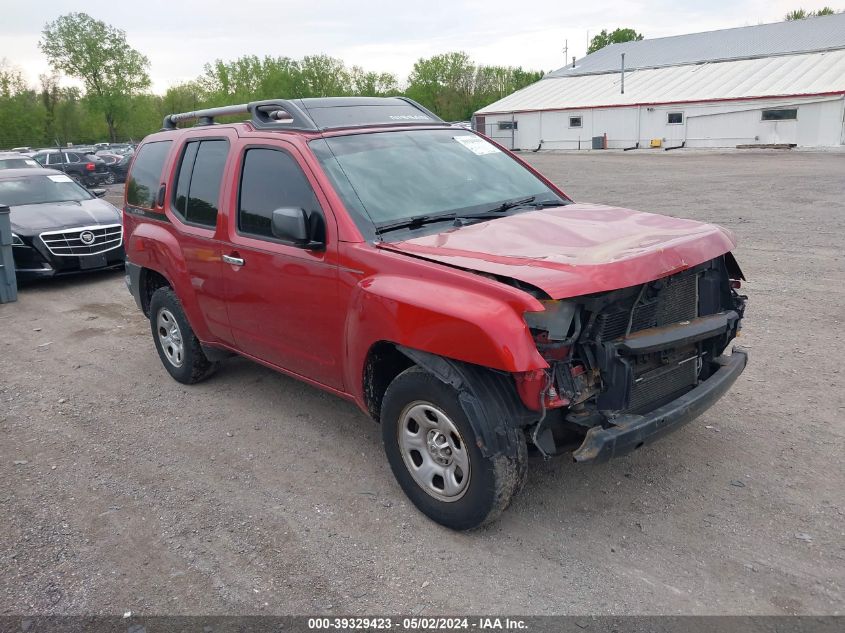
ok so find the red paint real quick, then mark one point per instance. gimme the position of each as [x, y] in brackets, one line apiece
[577, 249]
[317, 314]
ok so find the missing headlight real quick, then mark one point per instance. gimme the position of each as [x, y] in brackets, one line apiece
[559, 319]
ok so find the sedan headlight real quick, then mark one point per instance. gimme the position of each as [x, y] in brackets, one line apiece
[16, 241]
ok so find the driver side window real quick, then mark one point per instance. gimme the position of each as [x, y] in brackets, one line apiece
[271, 179]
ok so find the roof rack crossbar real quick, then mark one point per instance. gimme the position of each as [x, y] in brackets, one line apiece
[273, 113]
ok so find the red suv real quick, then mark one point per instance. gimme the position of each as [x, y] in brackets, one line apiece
[434, 279]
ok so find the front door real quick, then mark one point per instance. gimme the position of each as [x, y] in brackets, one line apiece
[282, 299]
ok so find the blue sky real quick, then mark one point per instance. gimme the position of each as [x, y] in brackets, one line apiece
[179, 36]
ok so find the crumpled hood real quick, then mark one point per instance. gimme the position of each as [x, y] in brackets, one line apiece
[576, 249]
[33, 218]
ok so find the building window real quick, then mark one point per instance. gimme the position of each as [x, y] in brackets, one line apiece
[675, 118]
[788, 114]
[574, 121]
[508, 125]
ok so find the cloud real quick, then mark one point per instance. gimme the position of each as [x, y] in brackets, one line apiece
[179, 37]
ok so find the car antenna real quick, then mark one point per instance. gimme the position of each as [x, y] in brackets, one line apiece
[61, 157]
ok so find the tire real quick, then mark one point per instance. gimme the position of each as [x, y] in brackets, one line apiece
[427, 435]
[178, 347]
[110, 179]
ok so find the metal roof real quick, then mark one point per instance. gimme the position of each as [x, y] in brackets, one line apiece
[763, 40]
[788, 75]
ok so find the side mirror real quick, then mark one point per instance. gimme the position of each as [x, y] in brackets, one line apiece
[291, 224]
[98, 192]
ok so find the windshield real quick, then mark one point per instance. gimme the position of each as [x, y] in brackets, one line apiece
[17, 163]
[17, 192]
[388, 177]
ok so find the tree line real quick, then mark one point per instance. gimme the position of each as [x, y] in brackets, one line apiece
[115, 103]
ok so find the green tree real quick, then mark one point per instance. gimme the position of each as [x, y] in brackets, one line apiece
[22, 117]
[445, 84]
[614, 37]
[372, 84]
[454, 87]
[800, 14]
[99, 55]
[324, 76]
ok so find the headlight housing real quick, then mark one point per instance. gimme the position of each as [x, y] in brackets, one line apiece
[17, 241]
[557, 319]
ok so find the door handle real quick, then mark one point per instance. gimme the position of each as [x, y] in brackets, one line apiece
[235, 261]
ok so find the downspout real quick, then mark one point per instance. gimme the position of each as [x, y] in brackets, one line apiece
[513, 134]
[639, 120]
[842, 136]
[540, 126]
[623, 73]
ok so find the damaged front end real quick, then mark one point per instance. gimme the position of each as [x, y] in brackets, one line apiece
[628, 365]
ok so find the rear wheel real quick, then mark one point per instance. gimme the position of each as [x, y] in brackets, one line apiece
[110, 179]
[433, 452]
[177, 345]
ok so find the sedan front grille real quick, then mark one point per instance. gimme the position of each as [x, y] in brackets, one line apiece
[87, 240]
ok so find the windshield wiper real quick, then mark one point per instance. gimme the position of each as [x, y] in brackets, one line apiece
[511, 204]
[507, 206]
[414, 223]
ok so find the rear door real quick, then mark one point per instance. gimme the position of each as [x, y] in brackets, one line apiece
[282, 299]
[194, 203]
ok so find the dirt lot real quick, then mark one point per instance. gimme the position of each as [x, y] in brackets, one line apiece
[253, 493]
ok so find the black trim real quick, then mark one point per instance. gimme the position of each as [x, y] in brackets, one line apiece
[489, 399]
[133, 282]
[678, 334]
[629, 432]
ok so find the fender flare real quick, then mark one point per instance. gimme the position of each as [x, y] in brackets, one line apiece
[157, 249]
[489, 400]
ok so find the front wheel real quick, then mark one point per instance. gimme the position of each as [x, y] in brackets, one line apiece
[177, 345]
[433, 453]
[110, 179]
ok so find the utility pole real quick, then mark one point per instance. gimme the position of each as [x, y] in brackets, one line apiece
[565, 50]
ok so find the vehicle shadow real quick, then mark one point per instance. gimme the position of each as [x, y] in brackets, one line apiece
[69, 282]
[557, 491]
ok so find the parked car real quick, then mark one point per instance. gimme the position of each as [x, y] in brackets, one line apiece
[14, 160]
[121, 148]
[86, 169]
[117, 165]
[58, 226]
[434, 279]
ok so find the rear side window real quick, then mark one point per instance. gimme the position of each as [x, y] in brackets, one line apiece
[197, 195]
[272, 179]
[145, 177]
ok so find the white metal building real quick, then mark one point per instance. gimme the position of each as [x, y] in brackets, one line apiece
[781, 83]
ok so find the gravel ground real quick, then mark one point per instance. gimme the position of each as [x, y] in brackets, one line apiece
[253, 493]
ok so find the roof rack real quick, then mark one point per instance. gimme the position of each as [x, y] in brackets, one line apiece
[264, 114]
[315, 114]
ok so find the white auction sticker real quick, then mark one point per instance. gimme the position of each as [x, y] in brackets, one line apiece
[60, 178]
[477, 145]
[31, 163]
